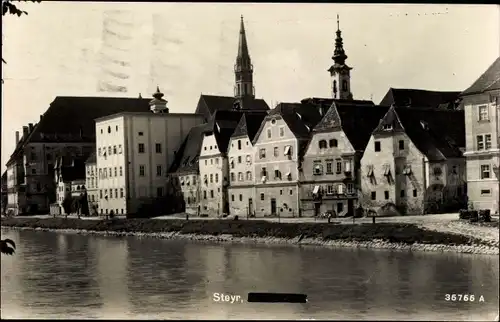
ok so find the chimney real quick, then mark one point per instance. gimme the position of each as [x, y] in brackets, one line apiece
[17, 138]
[30, 127]
[25, 131]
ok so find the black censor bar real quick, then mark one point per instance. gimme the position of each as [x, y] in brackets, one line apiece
[277, 298]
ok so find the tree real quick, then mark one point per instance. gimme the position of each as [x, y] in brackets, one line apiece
[7, 246]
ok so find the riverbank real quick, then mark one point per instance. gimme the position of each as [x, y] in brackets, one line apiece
[402, 236]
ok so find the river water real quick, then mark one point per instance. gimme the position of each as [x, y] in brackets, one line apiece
[64, 275]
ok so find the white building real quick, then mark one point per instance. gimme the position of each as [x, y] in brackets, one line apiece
[134, 151]
[92, 184]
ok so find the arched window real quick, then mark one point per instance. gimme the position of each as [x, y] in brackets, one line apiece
[344, 85]
[109, 129]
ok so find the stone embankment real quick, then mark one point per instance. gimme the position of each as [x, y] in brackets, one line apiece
[397, 236]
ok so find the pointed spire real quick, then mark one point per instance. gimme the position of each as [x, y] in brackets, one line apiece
[242, 45]
[158, 95]
[140, 95]
[339, 55]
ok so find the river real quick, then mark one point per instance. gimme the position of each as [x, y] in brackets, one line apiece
[64, 275]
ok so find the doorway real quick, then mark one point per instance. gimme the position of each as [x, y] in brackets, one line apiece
[273, 206]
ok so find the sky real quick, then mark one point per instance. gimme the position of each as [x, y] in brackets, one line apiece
[123, 49]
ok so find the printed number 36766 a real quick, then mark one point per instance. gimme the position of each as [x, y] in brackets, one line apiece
[460, 297]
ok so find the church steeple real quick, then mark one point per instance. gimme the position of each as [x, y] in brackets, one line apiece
[243, 69]
[339, 71]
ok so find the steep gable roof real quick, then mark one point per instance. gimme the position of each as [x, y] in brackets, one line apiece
[209, 104]
[438, 134]
[187, 157]
[222, 125]
[249, 125]
[78, 114]
[419, 98]
[489, 80]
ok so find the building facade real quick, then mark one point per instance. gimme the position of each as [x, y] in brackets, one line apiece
[134, 151]
[481, 104]
[92, 184]
[241, 156]
[413, 163]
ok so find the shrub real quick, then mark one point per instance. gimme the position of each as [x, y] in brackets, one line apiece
[485, 215]
[473, 216]
[463, 214]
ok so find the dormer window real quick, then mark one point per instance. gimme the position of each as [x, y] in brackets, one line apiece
[322, 144]
[407, 170]
[333, 143]
[387, 127]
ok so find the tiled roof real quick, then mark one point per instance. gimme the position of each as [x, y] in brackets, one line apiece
[437, 134]
[78, 114]
[356, 118]
[249, 125]
[489, 80]
[208, 104]
[419, 98]
[92, 158]
[300, 118]
[186, 158]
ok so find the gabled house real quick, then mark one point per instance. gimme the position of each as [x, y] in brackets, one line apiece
[186, 171]
[330, 176]
[279, 145]
[213, 163]
[481, 104]
[419, 98]
[413, 162]
[241, 169]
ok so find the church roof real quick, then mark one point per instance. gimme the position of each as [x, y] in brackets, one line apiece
[78, 114]
[419, 98]
[208, 104]
[489, 80]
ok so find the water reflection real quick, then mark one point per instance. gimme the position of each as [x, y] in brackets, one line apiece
[67, 275]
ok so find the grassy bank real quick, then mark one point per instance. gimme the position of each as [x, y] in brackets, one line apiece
[388, 232]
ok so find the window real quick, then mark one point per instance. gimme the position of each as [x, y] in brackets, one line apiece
[317, 168]
[387, 127]
[347, 166]
[339, 166]
[205, 179]
[264, 172]
[204, 194]
[377, 146]
[487, 141]
[140, 133]
[116, 128]
[233, 178]
[276, 151]
[216, 160]
[159, 191]
[262, 153]
[282, 131]
[33, 171]
[277, 174]
[333, 143]
[232, 163]
[262, 196]
[402, 193]
[110, 171]
[239, 144]
[239, 159]
[350, 188]
[329, 166]
[158, 170]
[401, 144]
[232, 197]
[269, 133]
[120, 150]
[483, 113]
[322, 144]
[121, 192]
[249, 175]
[485, 171]
[485, 192]
[141, 147]
[109, 129]
[249, 158]
[211, 193]
[291, 192]
[142, 170]
[344, 85]
[115, 151]
[211, 177]
[100, 174]
[480, 142]
[110, 152]
[158, 147]
[241, 197]
[240, 176]
[216, 178]
[116, 193]
[211, 161]
[386, 194]
[330, 190]
[288, 151]
[414, 192]
[99, 151]
[121, 171]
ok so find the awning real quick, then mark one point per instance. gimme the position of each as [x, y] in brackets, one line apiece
[316, 189]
